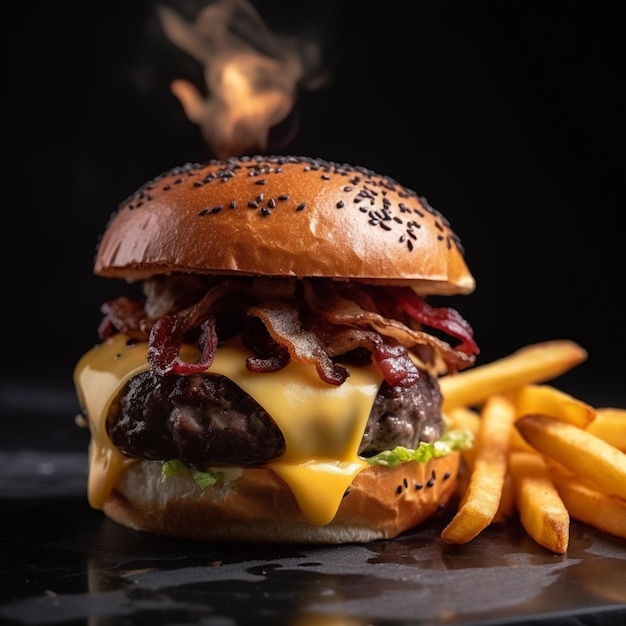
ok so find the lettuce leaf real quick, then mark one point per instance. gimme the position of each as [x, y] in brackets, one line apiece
[178, 468]
[450, 441]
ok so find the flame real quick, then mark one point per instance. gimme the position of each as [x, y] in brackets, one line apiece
[252, 76]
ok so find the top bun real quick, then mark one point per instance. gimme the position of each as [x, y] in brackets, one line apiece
[283, 216]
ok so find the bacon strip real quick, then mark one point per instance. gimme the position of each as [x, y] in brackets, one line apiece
[442, 318]
[283, 324]
[339, 310]
[166, 339]
[169, 333]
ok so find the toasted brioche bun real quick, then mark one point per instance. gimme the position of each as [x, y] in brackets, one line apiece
[283, 216]
[256, 506]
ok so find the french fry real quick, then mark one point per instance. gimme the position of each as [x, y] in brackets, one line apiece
[482, 497]
[506, 506]
[610, 426]
[518, 443]
[548, 400]
[534, 363]
[591, 505]
[542, 511]
[577, 450]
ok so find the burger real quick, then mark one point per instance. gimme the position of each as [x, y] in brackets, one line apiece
[271, 373]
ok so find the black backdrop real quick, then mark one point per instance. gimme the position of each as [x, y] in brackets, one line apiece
[508, 117]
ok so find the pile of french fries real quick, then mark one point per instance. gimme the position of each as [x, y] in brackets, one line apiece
[538, 452]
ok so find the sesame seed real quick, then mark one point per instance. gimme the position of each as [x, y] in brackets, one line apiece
[340, 204]
[261, 181]
[300, 207]
[265, 211]
[233, 204]
[253, 205]
[283, 197]
[271, 203]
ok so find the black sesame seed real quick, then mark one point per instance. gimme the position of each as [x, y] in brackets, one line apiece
[399, 489]
[300, 207]
[418, 486]
[406, 483]
[340, 204]
[271, 203]
[233, 204]
[265, 211]
[260, 197]
[384, 226]
[261, 181]
[216, 209]
[347, 188]
[203, 212]
[283, 197]
[253, 205]
[447, 475]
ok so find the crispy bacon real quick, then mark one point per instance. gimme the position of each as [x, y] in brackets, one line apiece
[442, 318]
[326, 301]
[308, 321]
[166, 340]
[396, 366]
[170, 332]
[125, 315]
[283, 323]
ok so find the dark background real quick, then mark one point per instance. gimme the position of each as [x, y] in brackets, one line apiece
[508, 117]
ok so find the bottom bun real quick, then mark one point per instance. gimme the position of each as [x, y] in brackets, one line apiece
[257, 506]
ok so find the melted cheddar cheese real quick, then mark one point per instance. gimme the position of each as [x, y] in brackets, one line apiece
[322, 424]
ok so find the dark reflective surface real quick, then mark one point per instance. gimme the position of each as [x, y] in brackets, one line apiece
[63, 563]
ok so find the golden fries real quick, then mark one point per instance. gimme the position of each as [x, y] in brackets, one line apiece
[548, 400]
[480, 503]
[542, 512]
[538, 450]
[578, 450]
[592, 506]
[610, 426]
[531, 364]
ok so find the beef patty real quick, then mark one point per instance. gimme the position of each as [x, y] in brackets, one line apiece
[208, 420]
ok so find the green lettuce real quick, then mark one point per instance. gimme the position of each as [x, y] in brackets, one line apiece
[178, 468]
[451, 441]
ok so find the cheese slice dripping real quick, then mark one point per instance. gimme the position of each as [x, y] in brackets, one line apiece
[322, 424]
